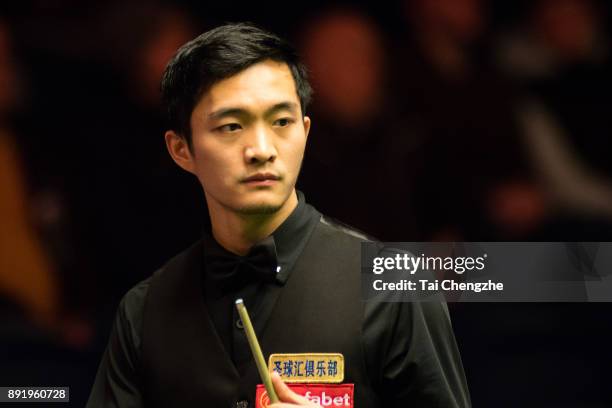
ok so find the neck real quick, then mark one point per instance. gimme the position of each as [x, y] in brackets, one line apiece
[238, 232]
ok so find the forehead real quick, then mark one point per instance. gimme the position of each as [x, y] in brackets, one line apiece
[259, 86]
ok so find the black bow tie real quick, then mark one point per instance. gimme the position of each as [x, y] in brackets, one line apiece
[232, 272]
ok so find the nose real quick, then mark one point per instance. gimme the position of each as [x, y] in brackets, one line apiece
[260, 147]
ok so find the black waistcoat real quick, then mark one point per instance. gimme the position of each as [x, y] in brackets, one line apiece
[318, 310]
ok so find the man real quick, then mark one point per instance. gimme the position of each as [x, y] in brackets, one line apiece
[236, 99]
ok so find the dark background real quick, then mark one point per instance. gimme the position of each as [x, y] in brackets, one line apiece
[432, 120]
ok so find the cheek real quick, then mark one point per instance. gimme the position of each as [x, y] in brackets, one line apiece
[213, 164]
[295, 153]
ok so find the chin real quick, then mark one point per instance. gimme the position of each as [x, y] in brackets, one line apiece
[259, 209]
[261, 204]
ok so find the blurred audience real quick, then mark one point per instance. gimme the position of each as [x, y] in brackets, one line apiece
[559, 57]
[27, 279]
[482, 182]
[345, 53]
[99, 154]
[40, 341]
[477, 183]
[141, 199]
[356, 164]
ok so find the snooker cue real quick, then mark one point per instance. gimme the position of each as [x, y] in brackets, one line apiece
[256, 350]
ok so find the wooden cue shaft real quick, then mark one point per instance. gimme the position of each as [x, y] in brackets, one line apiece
[256, 350]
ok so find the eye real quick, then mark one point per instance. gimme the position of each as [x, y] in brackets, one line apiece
[283, 122]
[230, 127]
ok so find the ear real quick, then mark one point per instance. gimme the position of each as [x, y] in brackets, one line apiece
[306, 121]
[179, 151]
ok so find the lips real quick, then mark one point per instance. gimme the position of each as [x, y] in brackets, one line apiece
[261, 177]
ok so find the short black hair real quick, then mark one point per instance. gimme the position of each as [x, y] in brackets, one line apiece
[219, 54]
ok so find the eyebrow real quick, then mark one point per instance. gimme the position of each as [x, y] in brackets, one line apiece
[235, 111]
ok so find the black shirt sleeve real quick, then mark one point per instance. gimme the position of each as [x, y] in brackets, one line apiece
[117, 383]
[413, 356]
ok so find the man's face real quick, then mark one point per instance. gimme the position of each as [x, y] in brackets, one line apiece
[248, 140]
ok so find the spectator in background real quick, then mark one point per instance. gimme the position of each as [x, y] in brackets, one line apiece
[477, 182]
[139, 38]
[86, 125]
[349, 164]
[134, 182]
[558, 57]
[26, 275]
[92, 114]
[149, 33]
[27, 280]
[39, 341]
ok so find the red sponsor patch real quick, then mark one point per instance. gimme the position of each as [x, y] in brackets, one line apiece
[326, 395]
